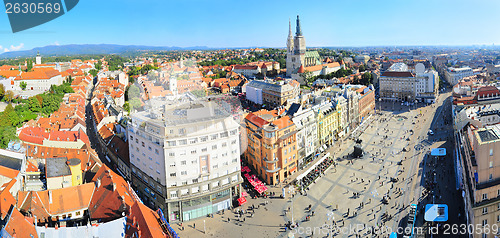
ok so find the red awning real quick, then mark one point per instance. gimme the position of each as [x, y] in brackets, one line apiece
[242, 200]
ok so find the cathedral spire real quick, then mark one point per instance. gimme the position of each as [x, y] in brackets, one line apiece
[299, 31]
[290, 25]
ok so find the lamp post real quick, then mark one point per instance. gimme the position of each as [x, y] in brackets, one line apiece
[290, 189]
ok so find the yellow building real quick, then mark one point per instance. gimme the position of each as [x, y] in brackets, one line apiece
[328, 118]
[272, 145]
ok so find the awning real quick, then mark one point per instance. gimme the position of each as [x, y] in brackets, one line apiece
[242, 200]
[312, 167]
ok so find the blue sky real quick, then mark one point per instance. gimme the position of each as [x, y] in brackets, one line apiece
[240, 23]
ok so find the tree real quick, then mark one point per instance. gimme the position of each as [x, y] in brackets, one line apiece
[366, 78]
[307, 77]
[126, 106]
[34, 104]
[7, 133]
[362, 68]
[69, 79]
[97, 66]
[23, 85]
[93, 72]
[2, 90]
[133, 92]
[29, 65]
[9, 95]
[134, 103]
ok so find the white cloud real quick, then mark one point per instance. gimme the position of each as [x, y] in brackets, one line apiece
[12, 48]
[56, 43]
[1, 47]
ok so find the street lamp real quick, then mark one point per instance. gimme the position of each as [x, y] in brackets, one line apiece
[290, 189]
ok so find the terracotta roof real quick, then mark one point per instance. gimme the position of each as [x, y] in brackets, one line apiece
[9, 73]
[251, 67]
[112, 197]
[487, 90]
[18, 226]
[33, 135]
[143, 221]
[256, 120]
[301, 69]
[8, 172]
[283, 122]
[6, 198]
[39, 73]
[398, 74]
[64, 200]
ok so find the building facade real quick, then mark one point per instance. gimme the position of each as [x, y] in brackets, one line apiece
[454, 75]
[185, 159]
[274, 93]
[272, 145]
[307, 134]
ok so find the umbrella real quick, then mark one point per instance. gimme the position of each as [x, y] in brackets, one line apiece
[242, 200]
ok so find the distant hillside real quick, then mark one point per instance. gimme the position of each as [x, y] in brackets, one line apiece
[89, 49]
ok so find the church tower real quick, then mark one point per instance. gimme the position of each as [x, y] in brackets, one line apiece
[296, 49]
[38, 59]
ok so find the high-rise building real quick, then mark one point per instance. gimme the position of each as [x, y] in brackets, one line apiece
[185, 158]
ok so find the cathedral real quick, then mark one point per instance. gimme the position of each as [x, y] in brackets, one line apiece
[296, 51]
[298, 60]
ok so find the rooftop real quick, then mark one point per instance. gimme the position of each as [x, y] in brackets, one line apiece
[57, 167]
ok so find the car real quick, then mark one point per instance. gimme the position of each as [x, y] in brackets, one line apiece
[431, 132]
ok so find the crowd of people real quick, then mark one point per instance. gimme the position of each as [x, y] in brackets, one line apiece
[315, 173]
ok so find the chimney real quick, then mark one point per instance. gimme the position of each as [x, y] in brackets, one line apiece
[98, 183]
[114, 187]
[50, 197]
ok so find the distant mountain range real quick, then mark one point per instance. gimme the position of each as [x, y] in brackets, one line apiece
[90, 49]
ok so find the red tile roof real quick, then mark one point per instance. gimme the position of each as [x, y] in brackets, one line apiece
[6, 198]
[112, 197]
[34, 135]
[143, 221]
[18, 226]
[256, 120]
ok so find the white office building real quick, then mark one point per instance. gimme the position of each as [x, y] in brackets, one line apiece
[454, 75]
[185, 158]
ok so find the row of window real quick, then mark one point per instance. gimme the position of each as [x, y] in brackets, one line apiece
[202, 138]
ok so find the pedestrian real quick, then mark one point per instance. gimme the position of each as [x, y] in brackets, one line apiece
[194, 225]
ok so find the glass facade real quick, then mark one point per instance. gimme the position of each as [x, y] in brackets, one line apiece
[200, 207]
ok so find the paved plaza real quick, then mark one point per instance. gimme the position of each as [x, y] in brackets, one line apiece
[350, 193]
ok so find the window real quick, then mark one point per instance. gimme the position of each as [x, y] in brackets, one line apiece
[491, 152]
[182, 152]
[233, 142]
[193, 152]
[235, 160]
[184, 183]
[485, 210]
[183, 172]
[143, 144]
[204, 149]
[182, 142]
[151, 167]
[158, 163]
[156, 151]
[172, 175]
[182, 131]
[196, 180]
[204, 169]
[214, 147]
[173, 194]
[224, 134]
[172, 165]
[171, 154]
[134, 156]
[171, 143]
[149, 148]
[193, 141]
[203, 138]
[214, 137]
[215, 166]
[491, 164]
[131, 138]
[233, 132]
[137, 141]
[183, 162]
[491, 176]
[150, 158]
[224, 144]
[485, 222]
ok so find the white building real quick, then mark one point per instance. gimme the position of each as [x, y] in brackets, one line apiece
[307, 133]
[454, 75]
[185, 158]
